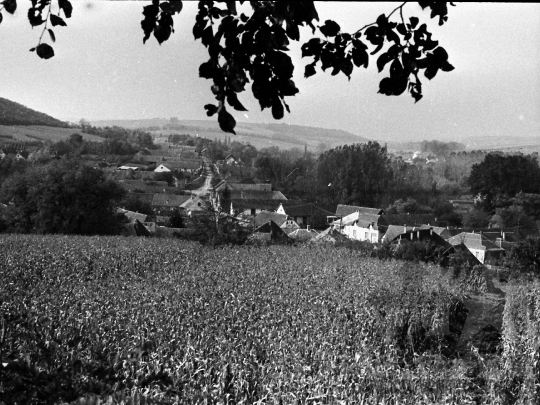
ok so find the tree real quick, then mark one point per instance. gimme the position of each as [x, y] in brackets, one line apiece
[499, 176]
[513, 216]
[252, 48]
[476, 218]
[176, 220]
[134, 203]
[525, 255]
[62, 196]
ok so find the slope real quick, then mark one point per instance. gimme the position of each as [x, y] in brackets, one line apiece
[12, 113]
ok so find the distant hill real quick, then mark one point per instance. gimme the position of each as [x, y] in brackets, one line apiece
[259, 135]
[12, 113]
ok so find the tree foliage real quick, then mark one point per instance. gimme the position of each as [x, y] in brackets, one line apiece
[61, 197]
[500, 175]
[253, 48]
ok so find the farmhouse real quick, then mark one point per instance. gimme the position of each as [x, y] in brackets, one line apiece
[283, 221]
[362, 226]
[485, 250]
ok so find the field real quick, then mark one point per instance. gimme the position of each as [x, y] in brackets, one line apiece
[137, 321]
[32, 133]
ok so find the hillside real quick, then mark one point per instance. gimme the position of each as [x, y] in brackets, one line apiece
[33, 133]
[259, 135]
[12, 113]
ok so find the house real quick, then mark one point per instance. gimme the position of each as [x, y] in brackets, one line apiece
[195, 205]
[485, 250]
[330, 235]
[401, 234]
[2, 154]
[249, 199]
[305, 214]
[362, 226]
[231, 160]
[162, 169]
[128, 168]
[283, 221]
[303, 235]
[167, 203]
[269, 232]
[343, 210]
[133, 216]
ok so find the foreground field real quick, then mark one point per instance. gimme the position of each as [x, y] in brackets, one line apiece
[154, 321]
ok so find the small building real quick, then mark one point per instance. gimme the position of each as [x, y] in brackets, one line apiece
[485, 250]
[361, 226]
[162, 169]
[283, 221]
[164, 204]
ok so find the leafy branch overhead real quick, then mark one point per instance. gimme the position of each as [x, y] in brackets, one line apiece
[253, 48]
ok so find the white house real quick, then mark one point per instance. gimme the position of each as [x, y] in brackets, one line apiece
[362, 226]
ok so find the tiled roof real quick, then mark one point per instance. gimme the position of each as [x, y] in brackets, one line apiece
[344, 210]
[146, 186]
[303, 234]
[394, 231]
[133, 216]
[169, 200]
[257, 195]
[363, 220]
[242, 204]
[266, 216]
[410, 219]
[244, 186]
[474, 241]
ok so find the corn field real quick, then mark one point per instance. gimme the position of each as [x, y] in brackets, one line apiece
[110, 320]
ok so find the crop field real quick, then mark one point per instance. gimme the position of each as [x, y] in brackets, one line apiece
[88, 320]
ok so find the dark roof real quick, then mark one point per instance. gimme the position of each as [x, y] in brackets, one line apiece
[474, 241]
[257, 195]
[344, 210]
[270, 231]
[410, 219]
[242, 204]
[266, 216]
[243, 186]
[146, 186]
[169, 200]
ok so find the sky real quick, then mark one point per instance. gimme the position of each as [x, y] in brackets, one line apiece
[102, 71]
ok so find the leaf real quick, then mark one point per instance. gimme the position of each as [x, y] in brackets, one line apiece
[32, 49]
[447, 67]
[55, 20]
[44, 51]
[34, 17]
[310, 70]
[233, 101]
[51, 34]
[1, 18]
[207, 70]
[164, 28]
[359, 53]
[10, 5]
[414, 21]
[226, 121]
[211, 109]
[431, 71]
[383, 60]
[277, 109]
[312, 47]
[148, 24]
[66, 6]
[330, 28]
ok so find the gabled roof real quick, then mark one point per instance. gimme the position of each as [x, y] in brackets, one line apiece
[133, 216]
[474, 241]
[344, 210]
[394, 231]
[265, 216]
[195, 204]
[303, 234]
[363, 220]
[242, 204]
[410, 219]
[257, 195]
[169, 200]
[243, 186]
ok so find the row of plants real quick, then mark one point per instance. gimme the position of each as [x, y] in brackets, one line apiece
[126, 320]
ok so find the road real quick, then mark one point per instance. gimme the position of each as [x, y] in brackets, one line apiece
[209, 175]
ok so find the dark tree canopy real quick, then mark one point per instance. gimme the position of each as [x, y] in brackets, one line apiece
[504, 175]
[253, 48]
[63, 196]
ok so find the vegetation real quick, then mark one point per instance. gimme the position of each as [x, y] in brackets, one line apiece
[251, 47]
[17, 114]
[133, 320]
[62, 196]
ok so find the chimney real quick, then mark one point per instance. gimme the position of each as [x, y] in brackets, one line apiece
[405, 228]
[504, 236]
[308, 228]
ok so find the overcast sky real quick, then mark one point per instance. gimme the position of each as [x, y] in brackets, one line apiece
[102, 70]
